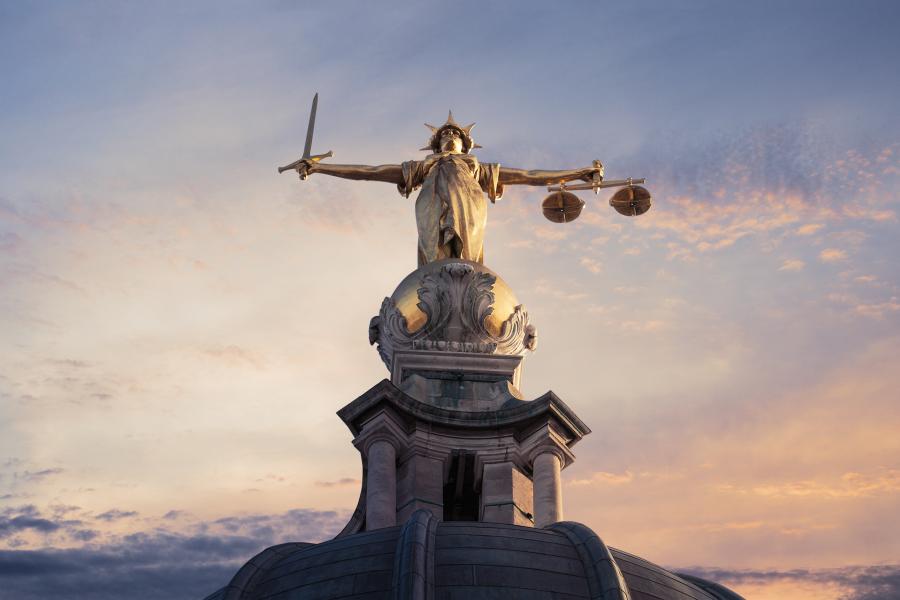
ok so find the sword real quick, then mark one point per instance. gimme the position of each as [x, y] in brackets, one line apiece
[307, 148]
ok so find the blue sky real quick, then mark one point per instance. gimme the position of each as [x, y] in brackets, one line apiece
[178, 324]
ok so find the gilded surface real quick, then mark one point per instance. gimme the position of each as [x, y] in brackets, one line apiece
[406, 299]
[451, 209]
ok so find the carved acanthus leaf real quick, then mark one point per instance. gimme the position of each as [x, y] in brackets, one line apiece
[457, 301]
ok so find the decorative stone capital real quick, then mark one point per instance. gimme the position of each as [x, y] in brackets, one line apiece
[382, 427]
[560, 452]
[457, 306]
[547, 440]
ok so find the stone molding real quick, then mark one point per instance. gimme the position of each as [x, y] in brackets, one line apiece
[257, 568]
[355, 414]
[414, 558]
[605, 580]
[407, 362]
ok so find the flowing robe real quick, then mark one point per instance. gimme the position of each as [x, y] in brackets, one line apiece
[451, 210]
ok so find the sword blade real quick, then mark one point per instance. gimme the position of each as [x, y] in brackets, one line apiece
[307, 149]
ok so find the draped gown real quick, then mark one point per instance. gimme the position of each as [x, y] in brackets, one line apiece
[451, 209]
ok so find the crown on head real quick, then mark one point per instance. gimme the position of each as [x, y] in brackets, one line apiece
[434, 143]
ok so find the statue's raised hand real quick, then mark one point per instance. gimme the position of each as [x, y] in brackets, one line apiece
[304, 168]
[593, 174]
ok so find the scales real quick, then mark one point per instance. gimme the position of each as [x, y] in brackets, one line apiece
[562, 206]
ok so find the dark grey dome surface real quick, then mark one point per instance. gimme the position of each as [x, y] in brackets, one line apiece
[460, 560]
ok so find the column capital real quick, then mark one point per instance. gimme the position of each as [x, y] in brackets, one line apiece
[544, 440]
[386, 427]
[564, 457]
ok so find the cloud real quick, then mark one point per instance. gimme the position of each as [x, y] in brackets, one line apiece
[769, 185]
[878, 310]
[343, 481]
[38, 475]
[647, 326]
[550, 233]
[116, 514]
[27, 521]
[808, 229]
[12, 525]
[143, 569]
[792, 265]
[850, 485]
[148, 565]
[605, 478]
[878, 582]
[830, 255]
[592, 265]
[236, 356]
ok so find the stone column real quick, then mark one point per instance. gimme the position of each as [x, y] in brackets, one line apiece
[547, 490]
[381, 485]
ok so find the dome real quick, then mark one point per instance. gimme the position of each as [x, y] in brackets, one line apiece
[427, 559]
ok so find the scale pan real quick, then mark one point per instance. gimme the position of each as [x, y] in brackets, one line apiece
[562, 207]
[631, 201]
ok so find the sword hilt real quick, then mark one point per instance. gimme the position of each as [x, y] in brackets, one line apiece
[297, 163]
[597, 178]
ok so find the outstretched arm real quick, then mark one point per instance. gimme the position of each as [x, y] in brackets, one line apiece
[386, 173]
[510, 176]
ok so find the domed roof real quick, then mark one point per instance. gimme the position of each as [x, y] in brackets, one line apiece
[455, 560]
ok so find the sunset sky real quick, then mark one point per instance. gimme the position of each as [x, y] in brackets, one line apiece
[179, 324]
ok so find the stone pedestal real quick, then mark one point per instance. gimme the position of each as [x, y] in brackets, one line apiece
[450, 432]
[483, 460]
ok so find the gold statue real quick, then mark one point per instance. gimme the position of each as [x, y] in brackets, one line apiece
[451, 210]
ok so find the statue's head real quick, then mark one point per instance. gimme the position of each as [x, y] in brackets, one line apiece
[451, 137]
[451, 140]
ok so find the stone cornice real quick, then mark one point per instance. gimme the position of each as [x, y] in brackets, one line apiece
[518, 416]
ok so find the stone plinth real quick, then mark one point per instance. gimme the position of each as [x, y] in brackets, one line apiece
[453, 318]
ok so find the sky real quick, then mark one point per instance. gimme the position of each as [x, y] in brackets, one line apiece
[179, 324]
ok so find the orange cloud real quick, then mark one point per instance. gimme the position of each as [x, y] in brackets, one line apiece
[850, 485]
[808, 229]
[832, 255]
[605, 478]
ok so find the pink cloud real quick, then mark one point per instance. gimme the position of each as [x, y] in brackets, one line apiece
[592, 265]
[605, 478]
[830, 255]
[850, 485]
[878, 310]
[808, 229]
[792, 265]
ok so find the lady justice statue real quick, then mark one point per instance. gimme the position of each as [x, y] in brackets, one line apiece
[451, 209]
